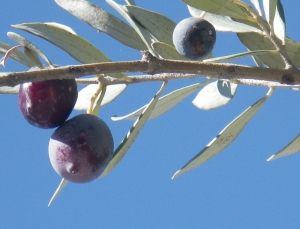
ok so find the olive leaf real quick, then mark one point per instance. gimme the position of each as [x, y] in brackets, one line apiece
[130, 137]
[224, 7]
[257, 61]
[85, 95]
[130, 2]
[30, 50]
[269, 8]
[291, 148]
[16, 55]
[158, 25]
[238, 56]
[257, 6]
[60, 187]
[61, 36]
[254, 41]
[222, 23]
[224, 138]
[164, 103]
[215, 94]
[103, 21]
[144, 34]
[279, 22]
[167, 51]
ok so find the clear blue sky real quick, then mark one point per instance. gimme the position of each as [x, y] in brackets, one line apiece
[235, 189]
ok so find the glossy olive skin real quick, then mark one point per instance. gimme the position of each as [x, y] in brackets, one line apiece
[194, 38]
[47, 104]
[81, 148]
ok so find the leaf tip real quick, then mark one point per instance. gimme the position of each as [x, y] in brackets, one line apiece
[176, 174]
[271, 158]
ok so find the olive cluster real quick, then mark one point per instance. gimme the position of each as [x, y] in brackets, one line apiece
[80, 148]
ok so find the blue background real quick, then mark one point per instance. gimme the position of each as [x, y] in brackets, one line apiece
[235, 189]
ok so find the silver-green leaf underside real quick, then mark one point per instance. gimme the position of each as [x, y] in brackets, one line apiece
[279, 22]
[223, 7]
[222, 23]
[85, 95]
[61, 36]
[269, 8]
[58, 190]
[224, 138]
[215, 94]
[291, 148]
[164, 103]
[257, 6]
[103, 21]
[133, 133]
[17, 55]
[158, 25]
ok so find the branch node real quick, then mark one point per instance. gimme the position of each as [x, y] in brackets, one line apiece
[288, 79]
[73, 70]
[152, 61]
[147, 56]
[232, 71]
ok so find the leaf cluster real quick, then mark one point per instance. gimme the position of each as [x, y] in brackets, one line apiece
[260, 27]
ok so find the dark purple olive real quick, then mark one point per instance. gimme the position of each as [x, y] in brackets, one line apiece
[194, 38]
[81, 148]
[47, 104]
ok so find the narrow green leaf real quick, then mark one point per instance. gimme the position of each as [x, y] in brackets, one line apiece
[85, 95]
[61, 36]
[17, 55]
[58, 190]
[291, 148]
[167, 51]
[144, 34]
[224, 7]
[257, 6]
[30, 50]
[224, 138]
[222, 23]
[257, 61]
[103, 21]
[254, 41]
[270, 9]
[158, 25]
[279, 22]
[238, 56]
[164, 103]
[133, 133]
[130, 2]
[215, 94]
[33, 57]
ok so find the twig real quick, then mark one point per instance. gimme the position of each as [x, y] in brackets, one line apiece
[152, 65]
